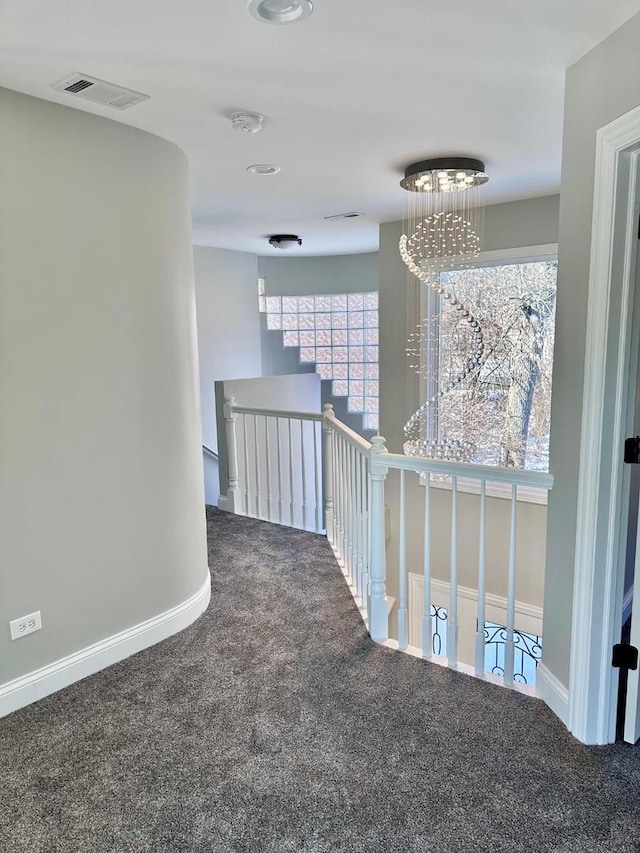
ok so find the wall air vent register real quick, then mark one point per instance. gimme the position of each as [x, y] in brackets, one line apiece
[99, 91]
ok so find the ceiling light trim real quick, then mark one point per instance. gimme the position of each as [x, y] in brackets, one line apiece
[280, 11]
[262, 169]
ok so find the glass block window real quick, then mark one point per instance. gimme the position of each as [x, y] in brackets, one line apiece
[339, 334]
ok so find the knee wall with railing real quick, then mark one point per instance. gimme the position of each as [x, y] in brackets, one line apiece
[443, 559]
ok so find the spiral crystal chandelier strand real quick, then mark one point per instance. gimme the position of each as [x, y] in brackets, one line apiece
[443, 229]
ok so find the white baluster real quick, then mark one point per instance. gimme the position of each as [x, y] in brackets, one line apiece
[334, 457]
[452, 616]
[317, 463]
[403, 627]
[378, 612]
[291, 480]
[366, 543]
[327, 471]
[303, 467]
[358, 521]
[481, 615]
[279, 443]
[247, 486]
[347, 520]
[267, 450]
[340, 496]
[509, 651]
[233, 492]
[350, 526]
[427, 632]
[257, 461]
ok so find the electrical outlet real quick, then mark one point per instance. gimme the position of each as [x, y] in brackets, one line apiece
[25, 625]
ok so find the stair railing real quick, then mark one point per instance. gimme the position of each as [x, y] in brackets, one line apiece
[275, 465]
[283, 469]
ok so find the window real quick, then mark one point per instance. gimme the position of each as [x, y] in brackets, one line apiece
[501, 413]
[339, 334]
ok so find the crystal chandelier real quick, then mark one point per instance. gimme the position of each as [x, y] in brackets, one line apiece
[443, 230]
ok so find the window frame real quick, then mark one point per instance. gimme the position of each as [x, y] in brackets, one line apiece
[429, 301]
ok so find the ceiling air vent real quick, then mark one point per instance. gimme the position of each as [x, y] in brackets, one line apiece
[99, 91]
[337, 216]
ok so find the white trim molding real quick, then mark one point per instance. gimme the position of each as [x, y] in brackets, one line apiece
[526, 494]
[65, 671]
[609, 394]
[223, 504]
[552, 692]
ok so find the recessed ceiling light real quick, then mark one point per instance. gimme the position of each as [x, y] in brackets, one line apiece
[263, 169]
[280, 11]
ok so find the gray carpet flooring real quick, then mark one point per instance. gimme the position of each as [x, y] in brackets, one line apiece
[275, 724]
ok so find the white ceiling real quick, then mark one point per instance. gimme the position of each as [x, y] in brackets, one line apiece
[350, 96]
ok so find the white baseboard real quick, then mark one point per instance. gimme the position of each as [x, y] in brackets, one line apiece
[553, 693]
[223, 503]
[63, 672]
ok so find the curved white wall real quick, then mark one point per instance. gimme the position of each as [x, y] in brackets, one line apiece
[101, 492]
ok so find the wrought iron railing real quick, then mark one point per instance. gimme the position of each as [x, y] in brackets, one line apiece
[527, 653]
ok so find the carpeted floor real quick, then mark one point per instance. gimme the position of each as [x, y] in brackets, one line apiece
[275, 724]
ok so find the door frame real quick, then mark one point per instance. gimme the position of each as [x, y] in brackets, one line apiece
[611, 358]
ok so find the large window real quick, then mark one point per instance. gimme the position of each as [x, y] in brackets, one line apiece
[501, 412]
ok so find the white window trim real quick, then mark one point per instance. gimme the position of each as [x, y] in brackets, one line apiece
[496, 257]
[526, 494]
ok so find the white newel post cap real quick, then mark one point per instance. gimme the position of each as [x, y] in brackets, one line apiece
[378, 444]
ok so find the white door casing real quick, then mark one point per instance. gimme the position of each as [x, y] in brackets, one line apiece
[632, 707]
[607, 418]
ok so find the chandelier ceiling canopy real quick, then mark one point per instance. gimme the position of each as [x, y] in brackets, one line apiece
[444, 175]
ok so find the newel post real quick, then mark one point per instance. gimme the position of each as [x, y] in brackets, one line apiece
[230, 417]
[327, 469]
[378, 609]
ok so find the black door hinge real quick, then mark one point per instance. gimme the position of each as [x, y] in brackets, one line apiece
[632, 450]
[625, 656]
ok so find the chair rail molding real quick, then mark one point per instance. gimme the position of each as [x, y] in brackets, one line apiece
[606, 417]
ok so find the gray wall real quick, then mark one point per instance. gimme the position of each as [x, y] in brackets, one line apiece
[600, 87]
[101, 494]
[287, 276]
[228, 334]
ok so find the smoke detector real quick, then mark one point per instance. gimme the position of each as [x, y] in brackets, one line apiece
[280, 11]
[285, 241]
[246, 122]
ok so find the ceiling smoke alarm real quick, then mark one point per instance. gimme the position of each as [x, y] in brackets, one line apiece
[285, 241]
[247, 122]
[280, 11]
